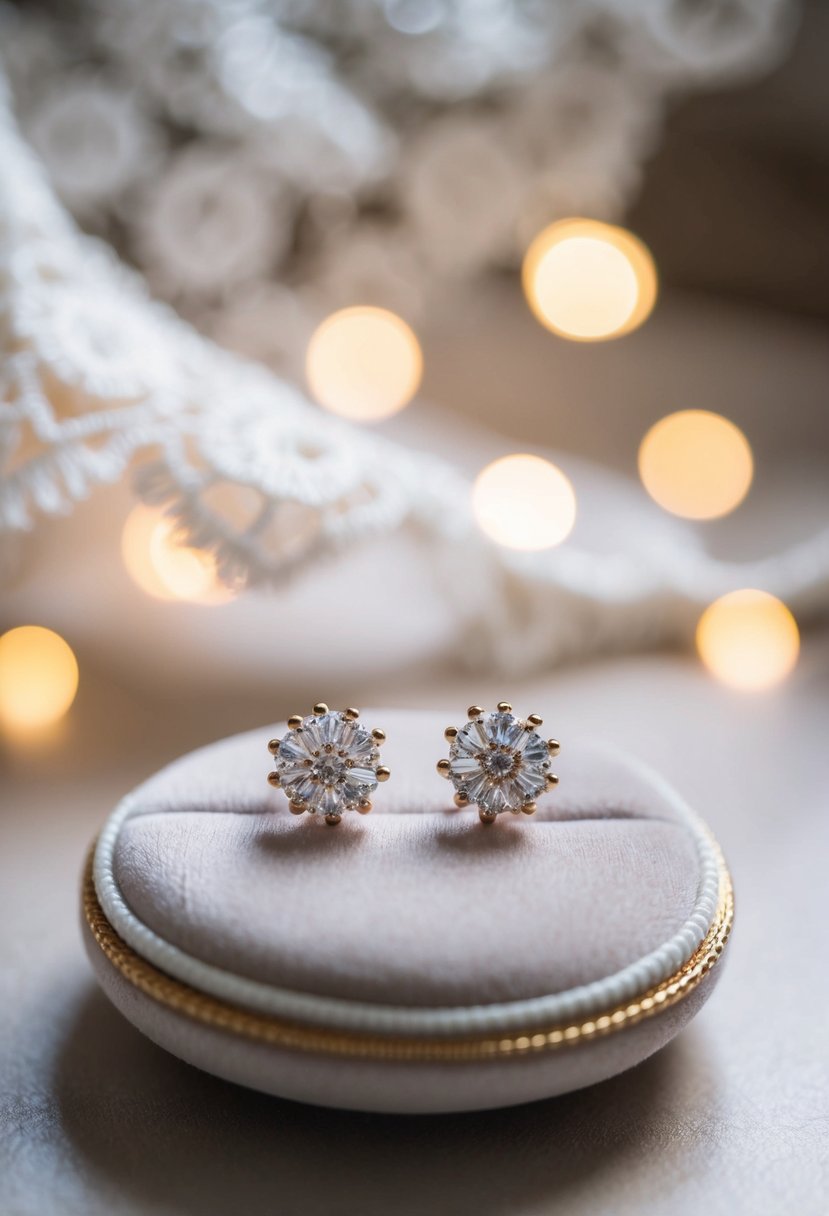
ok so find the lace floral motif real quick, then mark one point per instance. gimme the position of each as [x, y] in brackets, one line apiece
[220, 144]
[95, 373]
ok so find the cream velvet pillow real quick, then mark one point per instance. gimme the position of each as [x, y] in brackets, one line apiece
[411, 960]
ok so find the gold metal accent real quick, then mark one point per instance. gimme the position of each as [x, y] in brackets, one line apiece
[210, 1011]
[553, 747]
[364, 806]
[294, 721]
[378, 735]
[529, 808]
[461, 800]
[382, 773]
[319, 709]
[505, 707]
[296, 808]
[474, 711]
[444, 767]
[273, 777]
[486, 816]
[535, 721]
[273, 746]
[332, 820]
[552, 779]
[351, 714]
[450, 734]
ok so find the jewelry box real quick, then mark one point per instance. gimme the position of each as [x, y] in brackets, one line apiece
[410, 960]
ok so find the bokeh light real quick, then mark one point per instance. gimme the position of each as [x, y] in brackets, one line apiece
[38, 677]
[589, 281]
[524, 502]
[696, 464]
[165, 569]
[364, 363]
[748, 639]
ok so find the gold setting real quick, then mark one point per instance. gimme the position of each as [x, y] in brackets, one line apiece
[210, 1011]
[461, 799]
[332, 756]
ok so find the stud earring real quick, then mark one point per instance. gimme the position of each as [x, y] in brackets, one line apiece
[499, 762]
[326, 764]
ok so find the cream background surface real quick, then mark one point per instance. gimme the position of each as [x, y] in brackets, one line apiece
[730, 1117]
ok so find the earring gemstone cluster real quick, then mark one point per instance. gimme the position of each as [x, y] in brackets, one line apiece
[499, 762]
[328, 764]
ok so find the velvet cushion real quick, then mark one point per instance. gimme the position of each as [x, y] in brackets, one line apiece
[417, 905]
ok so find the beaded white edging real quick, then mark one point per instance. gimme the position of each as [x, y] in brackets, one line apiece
[335, 1013]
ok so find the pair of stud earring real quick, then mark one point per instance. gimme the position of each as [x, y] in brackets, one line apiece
[328, 763]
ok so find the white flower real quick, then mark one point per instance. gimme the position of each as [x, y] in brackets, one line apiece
[461, 187]
[92, 139]
[713, 39]
[212, 221]
[93, 336]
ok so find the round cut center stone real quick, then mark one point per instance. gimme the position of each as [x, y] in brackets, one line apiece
[329, 771]
[498, 764]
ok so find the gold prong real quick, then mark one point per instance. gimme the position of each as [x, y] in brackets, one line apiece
[450, 733]
[552, 780]
[528, 808]
[296, 808]
[504, 707]
[273, 746]
[534, 721]
[294, 721]
[332, 820]
[553, 747]
[319, 709]
[364, 806]
[461, 800]
[444, 767]
[382, 773]
[487, 816]
[474, 711]
[273, 777]
[351, 714]
[378, 735]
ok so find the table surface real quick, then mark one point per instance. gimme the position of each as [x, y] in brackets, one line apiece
[731, 1117]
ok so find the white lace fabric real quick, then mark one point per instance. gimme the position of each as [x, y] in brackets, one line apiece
[97, 376]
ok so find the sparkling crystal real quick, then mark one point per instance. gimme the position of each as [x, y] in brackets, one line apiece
[327, 763]
[292, 747]
[329, 771]
[498, 762]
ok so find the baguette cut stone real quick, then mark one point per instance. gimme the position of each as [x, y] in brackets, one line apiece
[499, 762]
[328, 763]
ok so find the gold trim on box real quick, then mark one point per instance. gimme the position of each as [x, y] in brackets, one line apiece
[297, 1037]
